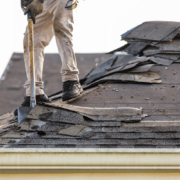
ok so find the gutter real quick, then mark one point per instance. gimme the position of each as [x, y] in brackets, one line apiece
[89, 160]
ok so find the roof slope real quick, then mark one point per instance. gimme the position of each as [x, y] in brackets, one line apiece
[49, 128]
[128, 101]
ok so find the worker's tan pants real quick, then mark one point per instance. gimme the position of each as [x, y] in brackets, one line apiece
[54, 20]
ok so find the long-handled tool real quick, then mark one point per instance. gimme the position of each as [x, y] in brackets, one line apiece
[24, 111]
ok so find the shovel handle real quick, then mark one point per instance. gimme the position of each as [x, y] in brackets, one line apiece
[31, 56]
[31, 61]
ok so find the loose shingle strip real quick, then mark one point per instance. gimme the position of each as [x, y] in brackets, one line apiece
[142, 68]
[153, 31]
[148, 77]
[136, 47]
[161, 61]
[174, 57]
[121, 63]
[112, 113]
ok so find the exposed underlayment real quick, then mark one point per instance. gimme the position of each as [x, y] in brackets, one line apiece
[129, 101]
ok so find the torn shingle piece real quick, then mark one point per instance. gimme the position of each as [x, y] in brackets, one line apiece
[129, 31]
[152, 31]
[174, 57]
[35, 112]
[102, 67]
[77, 130]
[117, 111]
[126, 59]
[144, 79]
[143, 68]
[170, 46]
[122, 63]
[35, 124]
[161, 61]
[119, 68]
[101, 123]
[4, 131]
[121, 118]
[25, 126]
[127, 62]
[136, 47]
[4, 119]
[7, 122]
[95, 66]
[153, 75]
[138, 60]
[28, 125]
[65, 116]
[129, 66]
[17, 134]
[87, 133]
[151, 50]
[45, 116]
[100, 70]
[52, 127]
[171, 35]
[148, 77]
[61, 115]
[154, 50]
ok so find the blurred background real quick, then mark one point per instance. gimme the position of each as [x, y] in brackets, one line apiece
[97, 29]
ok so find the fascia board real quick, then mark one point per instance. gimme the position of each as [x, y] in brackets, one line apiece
[108, 160]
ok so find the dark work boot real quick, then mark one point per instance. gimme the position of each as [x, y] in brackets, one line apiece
[71, 89]
[39, 98]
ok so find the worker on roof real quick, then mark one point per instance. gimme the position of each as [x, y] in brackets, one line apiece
[52, 17]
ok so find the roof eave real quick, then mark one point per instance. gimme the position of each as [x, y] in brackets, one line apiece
[89, 160]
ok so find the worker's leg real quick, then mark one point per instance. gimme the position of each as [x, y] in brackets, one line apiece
[63, 28]
[43, 33]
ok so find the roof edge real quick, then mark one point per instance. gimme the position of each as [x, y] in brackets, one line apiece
[85, 160]
[88, 150]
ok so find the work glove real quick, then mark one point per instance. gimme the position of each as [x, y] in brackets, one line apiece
[35, 7]
[27, 2]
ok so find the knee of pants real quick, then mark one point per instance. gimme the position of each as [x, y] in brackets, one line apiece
[63, 28]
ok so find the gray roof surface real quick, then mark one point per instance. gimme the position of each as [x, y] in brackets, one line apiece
[129, 101]
[48, 129]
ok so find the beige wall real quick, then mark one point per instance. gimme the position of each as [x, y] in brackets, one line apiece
[91, 176]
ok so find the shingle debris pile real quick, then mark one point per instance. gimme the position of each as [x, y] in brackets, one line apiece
[70, 126]
[158, 40]
[149, 44]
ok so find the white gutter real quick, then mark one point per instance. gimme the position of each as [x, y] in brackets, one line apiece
[84, 160]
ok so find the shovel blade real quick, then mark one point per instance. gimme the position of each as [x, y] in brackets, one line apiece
[22, 113]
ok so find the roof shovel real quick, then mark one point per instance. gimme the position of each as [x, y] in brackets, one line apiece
[24, 111]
